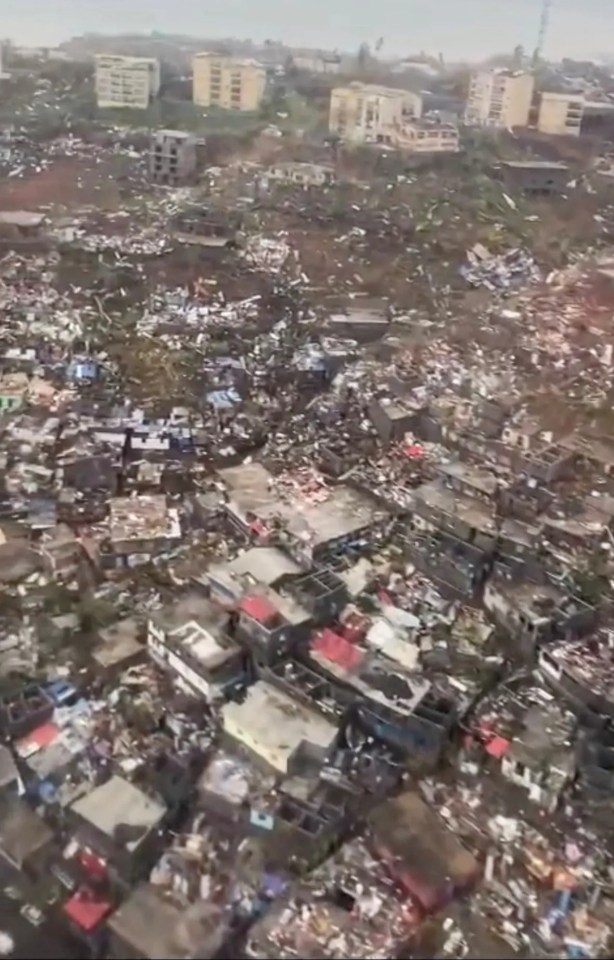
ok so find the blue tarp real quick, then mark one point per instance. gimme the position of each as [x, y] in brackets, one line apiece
[224, 399]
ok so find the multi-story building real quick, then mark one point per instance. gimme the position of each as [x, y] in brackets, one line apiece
[188, 640]
[220, 81]
[126, 82]
[366, 113]
[172, 158]
[422, 136]
[560, 114]
[499, 98]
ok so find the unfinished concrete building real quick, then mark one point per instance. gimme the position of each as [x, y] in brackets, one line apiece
[172, 159]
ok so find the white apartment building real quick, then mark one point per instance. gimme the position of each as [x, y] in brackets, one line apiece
[126, 82]
[198, 661]
[560, 114]
[499, 98]
[368, 113]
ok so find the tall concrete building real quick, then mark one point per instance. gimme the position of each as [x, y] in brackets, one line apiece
[499, 98]
[560, 114]
[366, 113]
[126, 82]
[227, 82]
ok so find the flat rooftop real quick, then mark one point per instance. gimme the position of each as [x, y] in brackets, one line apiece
[545, 736]
[156, 927]
[302, 165]
[251, 489]
[538, 729]
[117, 806]
[174, 134]
[396, 409]
[263, 565]
[519, 532]
[373, 675]
[589, 662]
[201, 645]
[600, 449]
[118, 643]
[472, 476]
[21, 218]
[535, 598]
[160, 929]
[412, 831]
[289, 609]
[535, 165]
[273, 726]
[466, 509]
[120, 58]
[190, 607]
[346, 511]
[430, 125]
[143, 518]
[22, 832]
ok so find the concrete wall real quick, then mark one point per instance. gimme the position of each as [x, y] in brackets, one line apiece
[560, 114]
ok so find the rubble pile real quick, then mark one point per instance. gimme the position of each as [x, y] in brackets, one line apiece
[514, 267]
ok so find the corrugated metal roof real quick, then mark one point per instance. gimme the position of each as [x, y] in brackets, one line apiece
[332, 646]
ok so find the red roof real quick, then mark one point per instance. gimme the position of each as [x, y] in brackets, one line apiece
[498, 747]
[337, 649]
[41, 737]
[259, 529]
[259, 608]
[415, 451]
[428, 897]
[86, 911]
[355, 627]
[96, 867]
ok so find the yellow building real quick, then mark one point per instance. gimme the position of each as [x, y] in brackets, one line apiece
[226, 82]
[368, 113]
[499, 98]
[126, 82]
[420, 136]
[560, 114]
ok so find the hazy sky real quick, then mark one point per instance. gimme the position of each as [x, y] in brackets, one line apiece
[471, 28]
